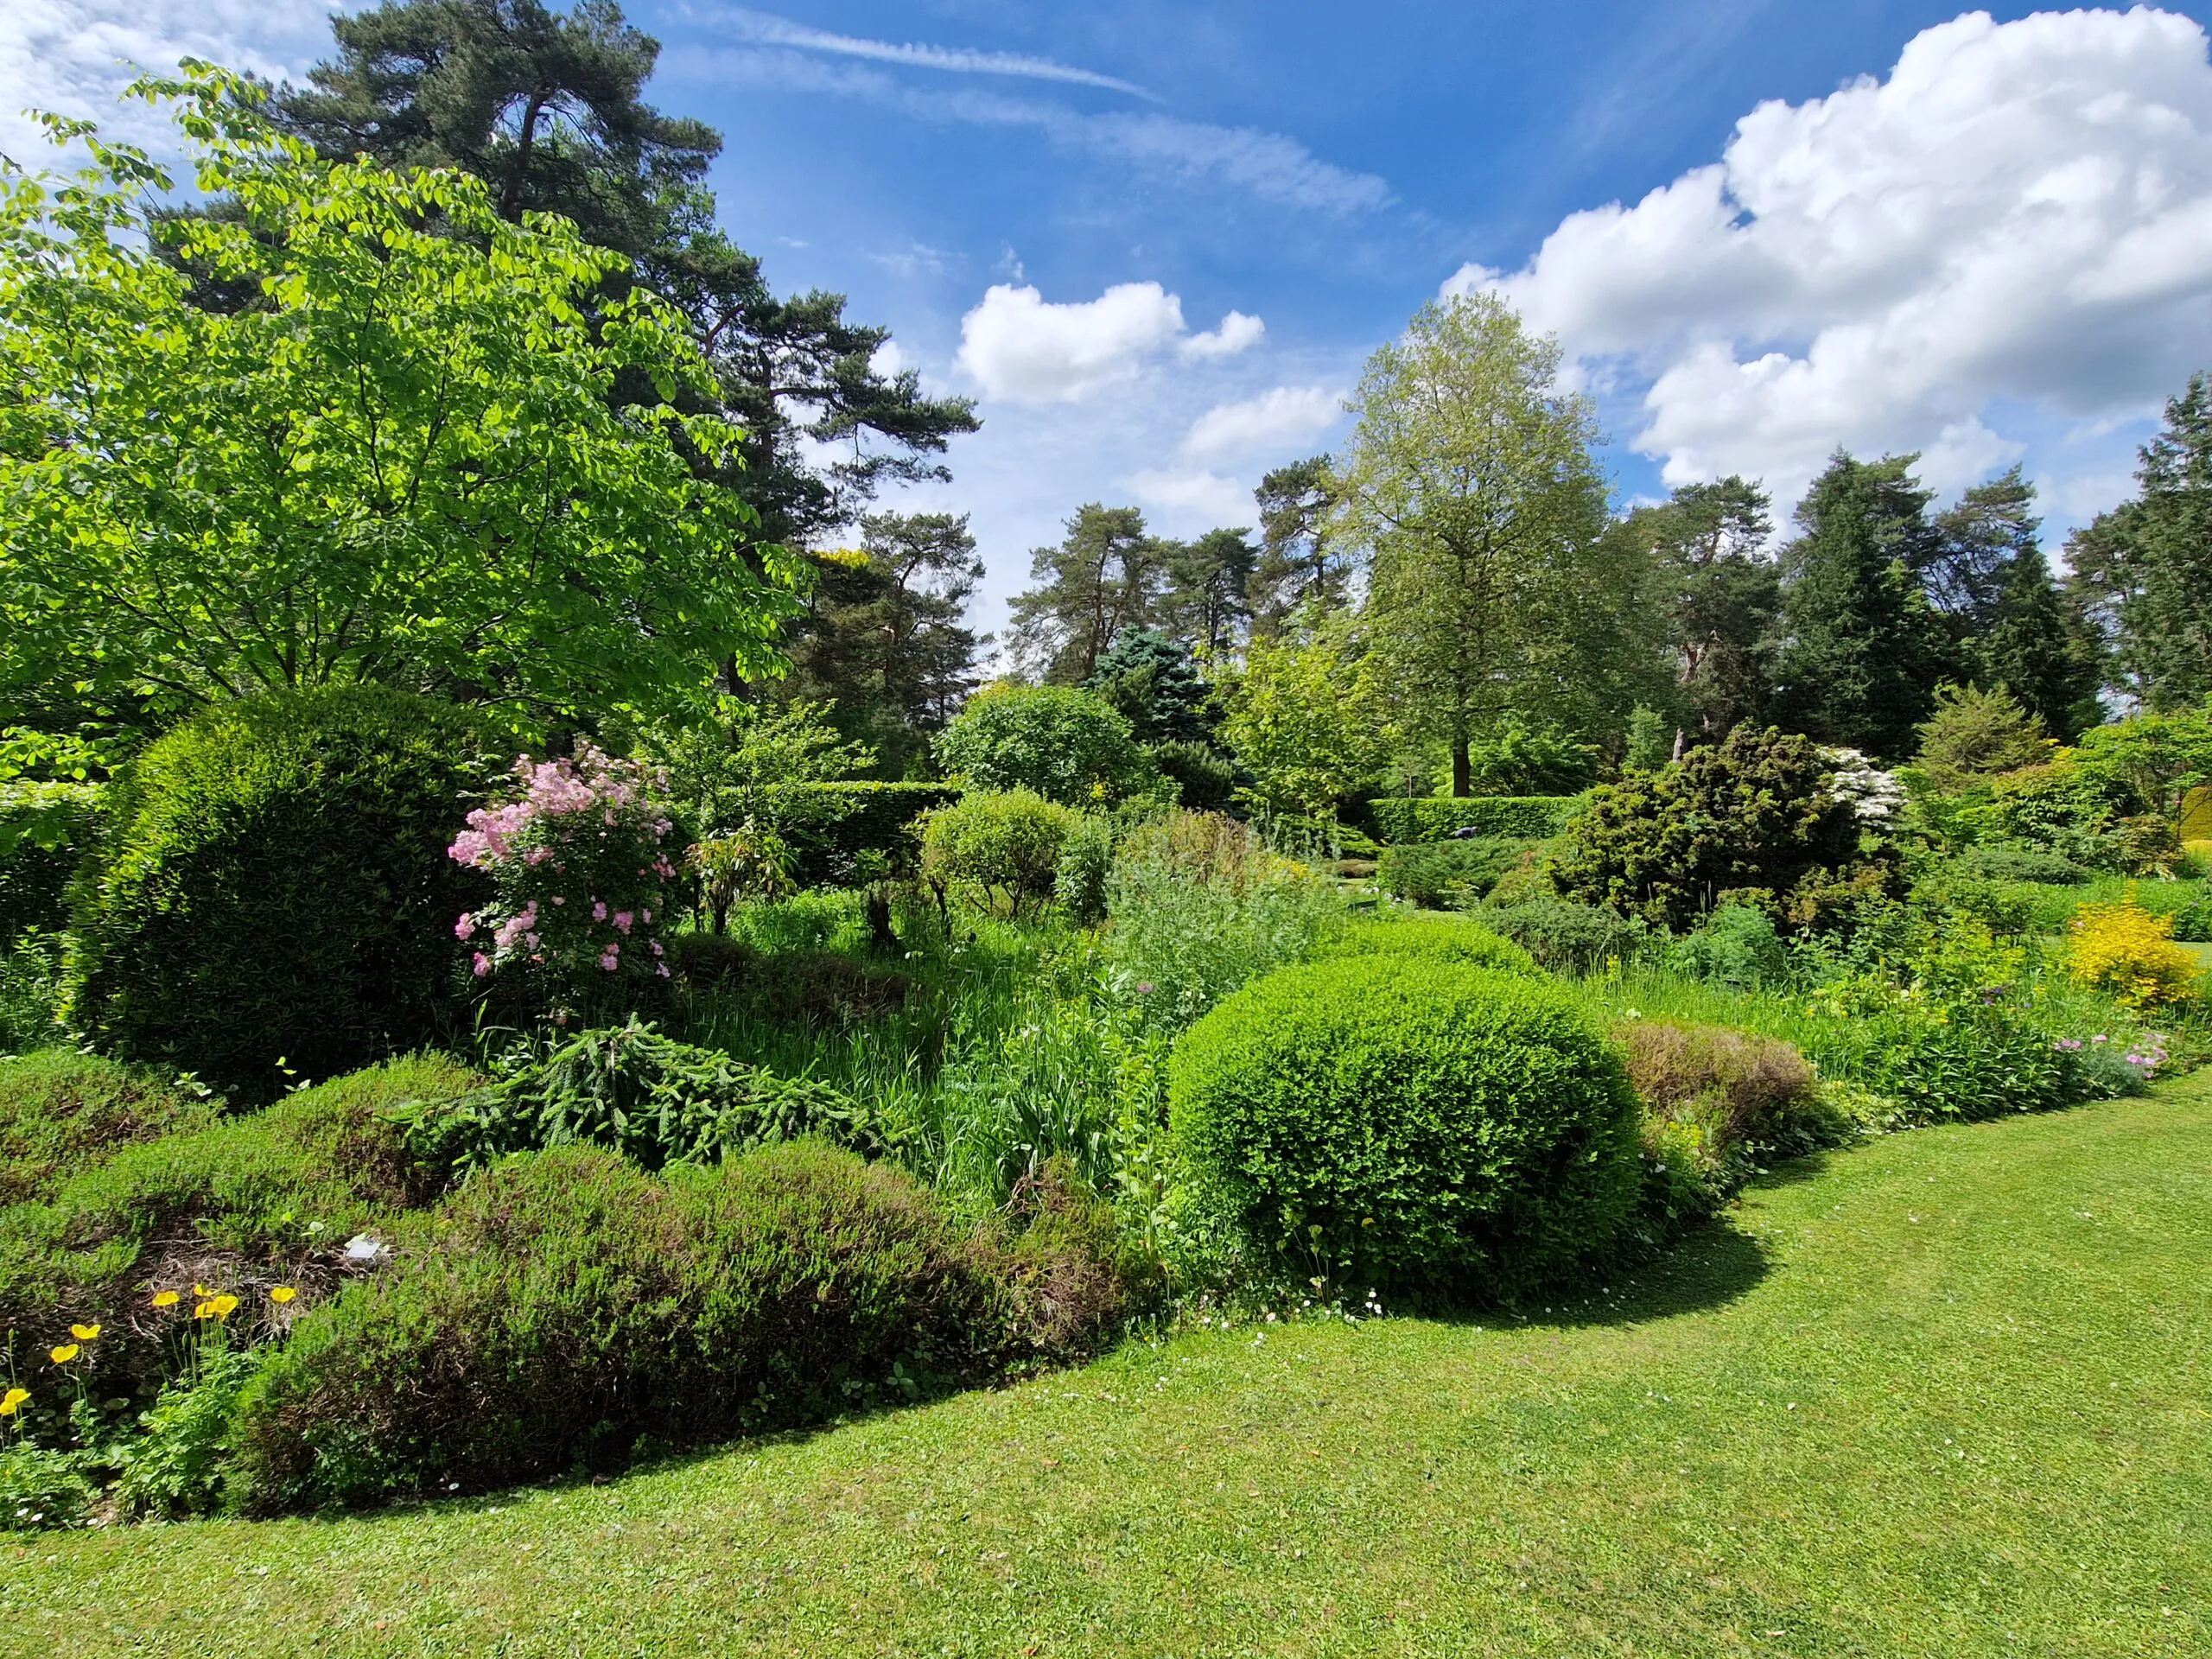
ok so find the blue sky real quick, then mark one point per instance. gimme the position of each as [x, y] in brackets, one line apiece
[1988, 237]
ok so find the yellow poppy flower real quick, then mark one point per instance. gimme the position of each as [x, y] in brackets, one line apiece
[86, 1333]
[165, 1298]
[62, 1355]
[198, 1289]
[12, 1401]
[204, 1311]
[282, 1294]
[223, 1305]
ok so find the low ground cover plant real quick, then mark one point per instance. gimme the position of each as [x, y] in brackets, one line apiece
[62, 1110]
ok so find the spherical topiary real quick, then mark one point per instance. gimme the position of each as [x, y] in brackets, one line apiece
[274, 883]
[1439, 938]
[1409, 1121]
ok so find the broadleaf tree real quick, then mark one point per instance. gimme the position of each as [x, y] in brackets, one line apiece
[434, 454]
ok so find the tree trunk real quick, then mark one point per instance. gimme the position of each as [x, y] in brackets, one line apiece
[1463, 769]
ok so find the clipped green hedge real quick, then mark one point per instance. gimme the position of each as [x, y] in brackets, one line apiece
[1434, 818]
[1436, 937]
[846, 820]
[1404, 1121]
[44, 830]
[274, 884]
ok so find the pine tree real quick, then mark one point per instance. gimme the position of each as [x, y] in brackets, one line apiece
[2038, 651]
[1719, 593]
[1297, 565]
[1862, 653]
[1105, 576]
[1150, 678]
[1207, 600]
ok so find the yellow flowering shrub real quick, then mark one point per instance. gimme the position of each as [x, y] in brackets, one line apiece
[2128, 952]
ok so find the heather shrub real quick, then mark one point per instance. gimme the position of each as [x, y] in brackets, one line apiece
[274, 887]
[61, 1110]
[582, 885]
[1439, 938]
[2128, 953]
[570, 1309]
[1007, 844]
[647, 1096]
[1726, 1090]
[1408, 1122]
[1198, 904]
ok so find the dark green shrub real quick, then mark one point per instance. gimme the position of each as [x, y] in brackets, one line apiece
[44, 830]
[1736, 944]
[1754, 817]
[1564, 937]
[1086, 860]
[647, 1096]
[1067, 745]
[60, 1110]
[1205, 778]
[275, 884]
[1437, 939]
[703, 959]
[568, 1309]
[2193, 921]
[847, 829]
[1008, 843]
[2023, 864]
[1409, 1123]
[1442, 873]
[1433, 818]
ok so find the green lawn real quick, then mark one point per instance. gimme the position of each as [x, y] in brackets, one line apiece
[1946, 1394]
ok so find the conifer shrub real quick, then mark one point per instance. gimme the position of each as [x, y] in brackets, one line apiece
[61, 1110]
[274, 886]
[1437, 874]
[1564, 936]
[568, 1309]
[1433, 937]
[1408, 1122]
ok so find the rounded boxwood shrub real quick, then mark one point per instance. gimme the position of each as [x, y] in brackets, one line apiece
[1011, 842]
[274, 885]
[1408, 1121]
[1437, 939]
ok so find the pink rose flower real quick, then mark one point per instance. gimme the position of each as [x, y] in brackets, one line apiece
[465, 926]
[483, 965]
[599, 913]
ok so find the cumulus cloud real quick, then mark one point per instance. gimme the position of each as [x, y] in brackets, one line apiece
[2017, 219]
[1018, 346]
[1281, 417]
[1203, 493]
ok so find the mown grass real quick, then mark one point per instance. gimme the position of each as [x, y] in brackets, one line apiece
[1946, 1393]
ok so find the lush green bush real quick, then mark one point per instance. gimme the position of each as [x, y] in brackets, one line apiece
[44, 830]
[1086, 860]
[1439, 938]
[275, 885]
[1198, 904]
[61, 1110]
[2001, 863]
[648, 1097]
[30, 992]
[1205, 779]
[1753, 817]
[1441, 872]
[570, 1308]
[1736, 944]
[1067, 745]
[1008, 843]
[1433, 818]
[850, 830]
[1564, 937]
[1409, 1123]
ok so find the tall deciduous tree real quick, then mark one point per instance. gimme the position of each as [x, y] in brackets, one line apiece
[1303, 714]
[443, 460]
[1493, 586]
[1862, 652]
[1105, 575]
[548, 108]
[2144, 569]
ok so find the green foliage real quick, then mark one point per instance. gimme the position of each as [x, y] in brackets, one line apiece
[1435, 938]
[1150, 679]
[44, 829]
[1975, 734]
[729, 763]
[1518, 761]
[30, 992]
[1105, 576]
[1442, 873]
[1086, 860]
[852, 825]
[1067, 745]
[1754, 817]
[1736, 944]
[1717, 596]
[1205, 778]
[43, 1488]
[1008, 843]
[647, 1096]
[1408, 1122]
[1432, 818]
[1724, 1094]
[570, 1308]
[1198, 904]
[437, 449]
[275, 885]
[1564, 937]
[178, 1467]
[1304, 715]
[61, 1110]
[2003, 863]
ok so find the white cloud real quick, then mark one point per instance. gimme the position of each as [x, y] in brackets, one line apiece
[1236, 332]
[1282, 416]
[2014, 227]
[1206, 494]
[781, 31]
[1018, 346]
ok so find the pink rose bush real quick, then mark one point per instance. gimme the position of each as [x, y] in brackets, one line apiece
[582, 875]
